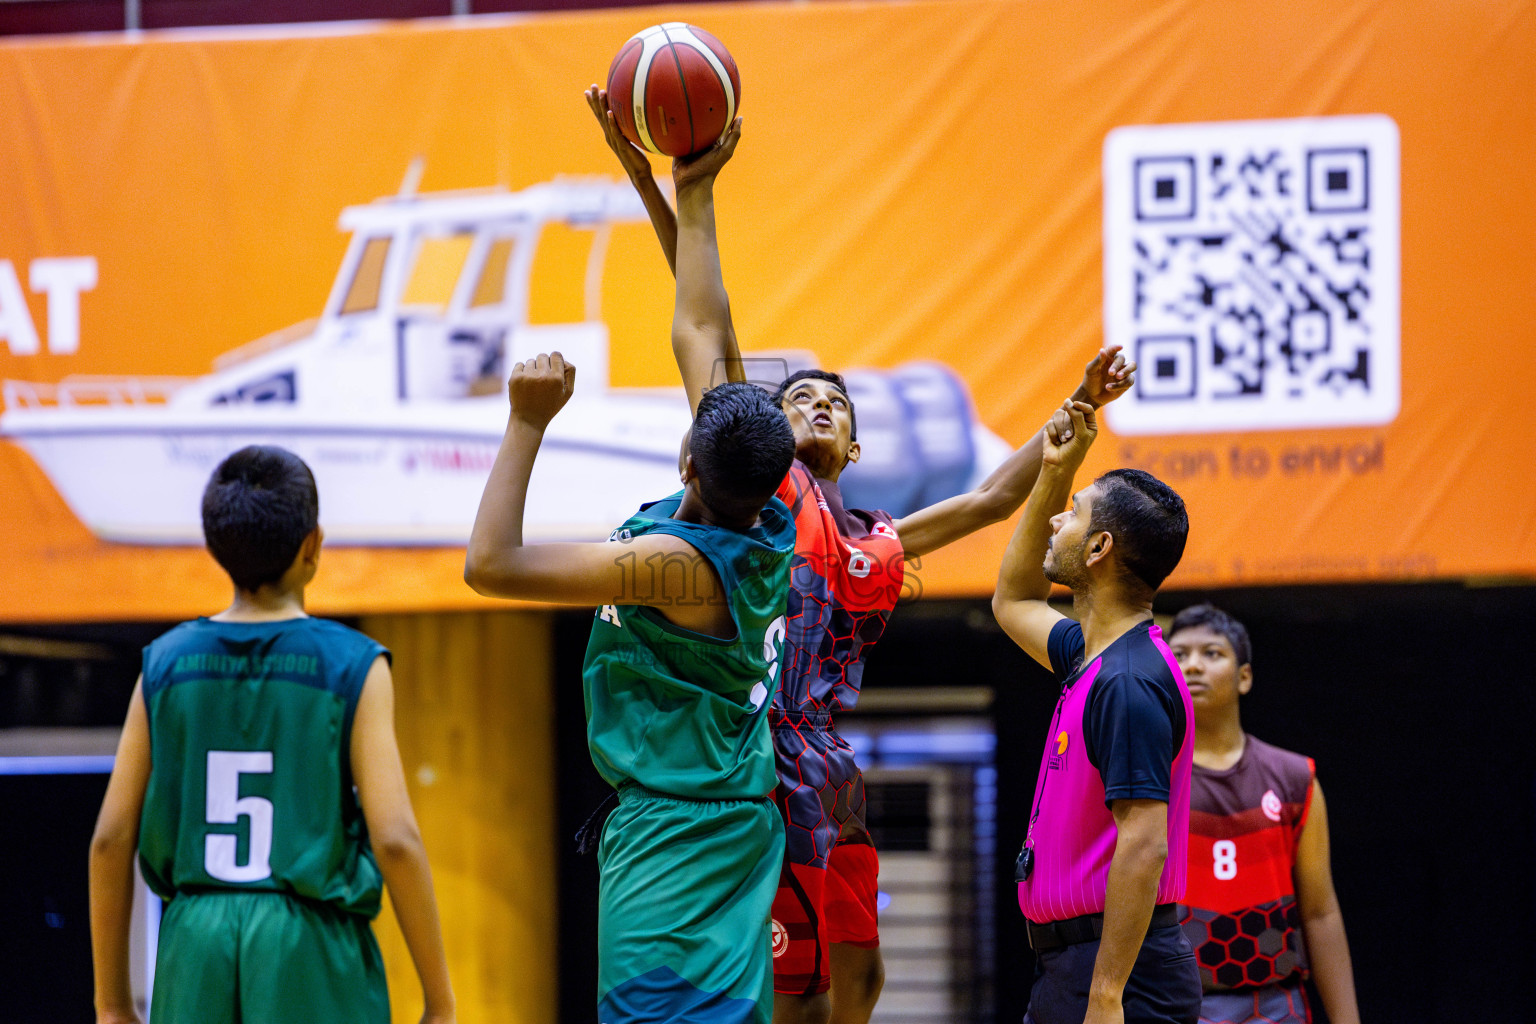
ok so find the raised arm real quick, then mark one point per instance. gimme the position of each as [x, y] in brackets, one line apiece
[660, 571]
[113, 846]
[396, 839]
[703, 336]
[1107, 377]
[638, 166]
[1019, 602]
[1322, 922]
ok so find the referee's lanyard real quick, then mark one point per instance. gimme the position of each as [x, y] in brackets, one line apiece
[1024, 866]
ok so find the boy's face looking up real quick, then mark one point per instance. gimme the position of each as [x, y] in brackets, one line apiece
[1210, 668]
[821, 416]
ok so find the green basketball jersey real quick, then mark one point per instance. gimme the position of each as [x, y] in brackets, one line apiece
[250, 783]
[673, 710]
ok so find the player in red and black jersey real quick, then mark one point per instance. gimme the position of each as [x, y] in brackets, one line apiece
[846, 576]
[1260, 908]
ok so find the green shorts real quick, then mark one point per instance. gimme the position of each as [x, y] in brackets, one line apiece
[684, 897]
[265, 958]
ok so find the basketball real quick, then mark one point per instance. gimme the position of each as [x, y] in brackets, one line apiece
[673, 89]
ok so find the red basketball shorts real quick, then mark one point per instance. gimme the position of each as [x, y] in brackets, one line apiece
[827, 886]
[816, 907]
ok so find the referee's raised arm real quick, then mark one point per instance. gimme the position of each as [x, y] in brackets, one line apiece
[1103, 862]
[1024, 580]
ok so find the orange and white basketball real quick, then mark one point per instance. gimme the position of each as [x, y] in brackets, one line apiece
[674, 89]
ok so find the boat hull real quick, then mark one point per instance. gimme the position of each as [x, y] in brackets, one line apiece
[411, 477]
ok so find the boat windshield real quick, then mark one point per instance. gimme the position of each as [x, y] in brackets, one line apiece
[492, 286]
[363, 292]
[434, 273]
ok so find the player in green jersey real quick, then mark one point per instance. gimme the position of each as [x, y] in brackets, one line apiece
[680, 668]
[259, 780]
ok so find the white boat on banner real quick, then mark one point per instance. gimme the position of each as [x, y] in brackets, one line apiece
[394, 395]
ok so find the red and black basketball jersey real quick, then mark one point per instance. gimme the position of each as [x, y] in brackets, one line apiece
[1240, 905]
[846, 576]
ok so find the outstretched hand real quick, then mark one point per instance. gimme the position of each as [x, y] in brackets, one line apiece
[689, 170]
[1108, 376]
[636, 164]
[1069, 433]
[540, 387]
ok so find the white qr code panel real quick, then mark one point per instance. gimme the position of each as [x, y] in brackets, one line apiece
[1251, 270]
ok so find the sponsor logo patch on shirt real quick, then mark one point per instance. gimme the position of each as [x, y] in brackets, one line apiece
[1271, 805]
[1059, 759]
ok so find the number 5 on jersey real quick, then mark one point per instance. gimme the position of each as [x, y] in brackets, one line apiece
[226, 807]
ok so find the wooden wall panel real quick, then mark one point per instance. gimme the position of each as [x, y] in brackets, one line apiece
[474, 712]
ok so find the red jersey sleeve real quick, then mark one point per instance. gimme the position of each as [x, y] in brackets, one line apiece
[794, 486]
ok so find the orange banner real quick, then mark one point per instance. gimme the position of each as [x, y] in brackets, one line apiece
[1307, 220]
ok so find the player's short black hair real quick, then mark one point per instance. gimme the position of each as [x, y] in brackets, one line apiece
[741, 447]
[1217, 621]
[258, 507]
[826, 375]
[1147, 519]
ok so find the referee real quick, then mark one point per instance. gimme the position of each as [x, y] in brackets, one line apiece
[1104, 861]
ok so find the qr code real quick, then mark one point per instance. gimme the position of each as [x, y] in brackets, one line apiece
[1251, 270]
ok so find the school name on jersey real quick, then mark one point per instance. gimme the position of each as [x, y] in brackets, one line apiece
[676, 651]
[245, 665]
